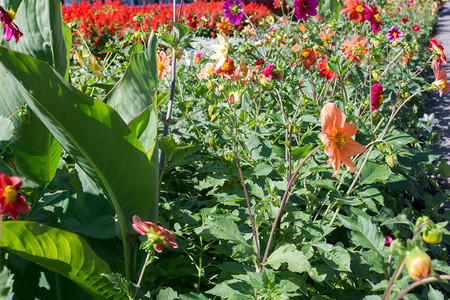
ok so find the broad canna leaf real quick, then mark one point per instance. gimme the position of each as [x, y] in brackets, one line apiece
[134, 92]
[40, 22]
[60, 251]
[92, 133]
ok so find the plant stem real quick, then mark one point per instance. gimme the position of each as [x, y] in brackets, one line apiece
[254, 227]
[283, 202]
[142, 274]
[423, 281]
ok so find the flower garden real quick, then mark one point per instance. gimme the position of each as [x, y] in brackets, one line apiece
[222, 150]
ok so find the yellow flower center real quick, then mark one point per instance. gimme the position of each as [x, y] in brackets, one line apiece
[340, 139]
[11, 14]
[223, 51]
[359, 9]
[440, 83]
[10, 194]
[358, 49]
[377, 18]
[305, 54]
[327, 67]
[160, 66]
[394, 34]
[226, 66]
[209, 71]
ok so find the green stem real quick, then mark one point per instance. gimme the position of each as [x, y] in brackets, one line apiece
[142, 274]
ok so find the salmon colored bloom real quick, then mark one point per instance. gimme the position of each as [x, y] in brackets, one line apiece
[355, 10]
[438, 51]
[156, 234]
[356, 48]
[441, 81]
[325, 70]
[11, 202]
[207, 71]
[163, 64]
[224, 26]
[308, 57]
[336, 135]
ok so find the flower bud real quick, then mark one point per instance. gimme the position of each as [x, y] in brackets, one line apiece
[211, 110]
[391, 160]
[376, 75]
[221, 88]
[421, 220]
[432, 236]
[210, 86]
[418, 264]
[394, 44]
[211, 143]
[293, 129]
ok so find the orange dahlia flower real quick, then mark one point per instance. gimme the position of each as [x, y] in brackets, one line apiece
[336, 135]
[224, 26]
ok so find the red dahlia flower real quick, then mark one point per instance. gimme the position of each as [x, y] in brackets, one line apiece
[325, 70]
[308, 57]
[355, 10]
[11, 202]
[157, 234]
[10, 29]
[438, 51]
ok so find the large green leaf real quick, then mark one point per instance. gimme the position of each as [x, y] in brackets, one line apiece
[60, 251]
[40, 22]
[92, 133]
[134, 92]
[37, 152]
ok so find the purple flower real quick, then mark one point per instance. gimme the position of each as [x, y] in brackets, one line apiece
[394, 34]
[302, 8]
[373, 16]
[233, 11]
[269, 72]
[9, 28]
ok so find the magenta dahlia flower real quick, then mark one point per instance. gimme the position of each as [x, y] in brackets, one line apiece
[233, 11]
[394, 34]
[415, 28]
[9, 28]
[373, 16]
[302, 8]
[376, 96]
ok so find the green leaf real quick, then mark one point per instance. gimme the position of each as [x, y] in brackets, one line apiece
[60, 251]
[67, 34]
[134, 91]
[6, 129]
[167, 294]
[167, 40]
[364, 233]
[288, 253]
[41, 24]
[434, 294]
[182, 30]
[336, 257]
[92, 133]
[175, 152]
[193, 296]
[262, 169]
[226, 229]
[6, 283]
[444, 169]
[373, 172]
